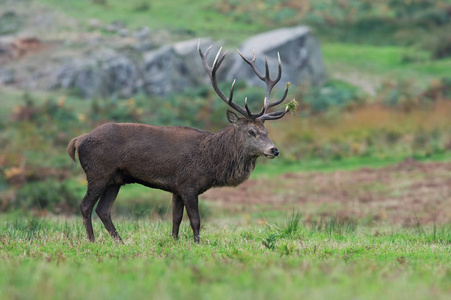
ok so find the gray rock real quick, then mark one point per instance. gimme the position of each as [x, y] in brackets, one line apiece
[120, 75]
[6, 43]
[300, 54]
[94, 24]
[115, 26]
[174, 68]
[6, 76]
[123, 32]
[187, 51]
[162, 72]
[143, 46]
[102, 74]
[142, 33]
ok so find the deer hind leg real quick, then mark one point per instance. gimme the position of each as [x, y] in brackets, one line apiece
[86, 206]
[177, 214]
[192, 208]
[103, 210]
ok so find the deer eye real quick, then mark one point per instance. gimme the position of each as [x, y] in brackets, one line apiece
[251, 132]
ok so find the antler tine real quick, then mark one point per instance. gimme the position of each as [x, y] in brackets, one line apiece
[231, 92]
[274, 115]
[279, 75]
[252, 115]
[202, 56]
[215, 62]
[246, 107]
[211, 71]
[267, 70]
[271, 83]
[272, 104]
[208, 50]
[252, 64]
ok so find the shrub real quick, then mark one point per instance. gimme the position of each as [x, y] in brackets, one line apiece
[438, 44]
[10, 23]
[438, 90]
[49, 195]
[50, 110]
[413, 55]
[334, 94]
[403, 95]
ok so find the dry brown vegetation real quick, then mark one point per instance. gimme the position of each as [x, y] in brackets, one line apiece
[409, 193]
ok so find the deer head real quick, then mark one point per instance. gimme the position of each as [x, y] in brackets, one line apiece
[250, 125]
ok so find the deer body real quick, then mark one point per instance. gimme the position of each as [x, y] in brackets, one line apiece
[166, 158]
[181, 160]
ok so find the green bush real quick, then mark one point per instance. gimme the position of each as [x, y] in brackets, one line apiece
[333, 95]
[49, 195]
[403, 95]
[50, 111]
[10, 23]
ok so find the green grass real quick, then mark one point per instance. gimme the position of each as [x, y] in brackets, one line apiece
[51, 259]
[186, 18]
[274, 168]
[381, 62]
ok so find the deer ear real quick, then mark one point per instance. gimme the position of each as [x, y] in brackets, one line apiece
[233, 118]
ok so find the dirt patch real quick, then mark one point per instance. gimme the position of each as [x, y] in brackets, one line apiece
[405, 193]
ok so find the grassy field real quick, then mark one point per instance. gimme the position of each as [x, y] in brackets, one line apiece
[186, 19]
[50, 259]
[376, 64]
[375, 209]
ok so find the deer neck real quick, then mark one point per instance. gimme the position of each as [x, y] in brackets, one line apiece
[224, 154]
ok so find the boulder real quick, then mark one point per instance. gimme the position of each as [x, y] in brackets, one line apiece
[160, 74]
[104, 73]
[188, 52]
[142, 33]
[174, 68]
[300, 53]
[6, 76]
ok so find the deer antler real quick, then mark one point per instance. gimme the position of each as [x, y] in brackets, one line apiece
[269, 86]
[262, 115]
[211, 71]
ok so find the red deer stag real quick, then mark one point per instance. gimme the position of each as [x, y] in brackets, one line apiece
[183, 161]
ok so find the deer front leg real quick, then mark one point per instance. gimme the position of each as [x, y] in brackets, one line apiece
[177, 214]
[192, 208]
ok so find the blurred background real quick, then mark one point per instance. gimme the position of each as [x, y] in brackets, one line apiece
[370, 141]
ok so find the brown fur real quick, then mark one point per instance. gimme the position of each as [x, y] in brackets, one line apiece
[181, 160]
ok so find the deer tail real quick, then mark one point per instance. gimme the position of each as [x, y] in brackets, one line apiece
[71, 148]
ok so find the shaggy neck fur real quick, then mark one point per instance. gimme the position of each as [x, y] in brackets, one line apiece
[228, 162]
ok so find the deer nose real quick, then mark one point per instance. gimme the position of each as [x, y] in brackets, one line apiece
[275, 151]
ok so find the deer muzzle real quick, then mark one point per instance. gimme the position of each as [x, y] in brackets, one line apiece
[273, 153]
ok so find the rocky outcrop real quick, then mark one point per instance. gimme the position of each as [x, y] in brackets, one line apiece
[137, 66]
[104, 74]
[173, 68]
[300, 54]
[108, 73]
